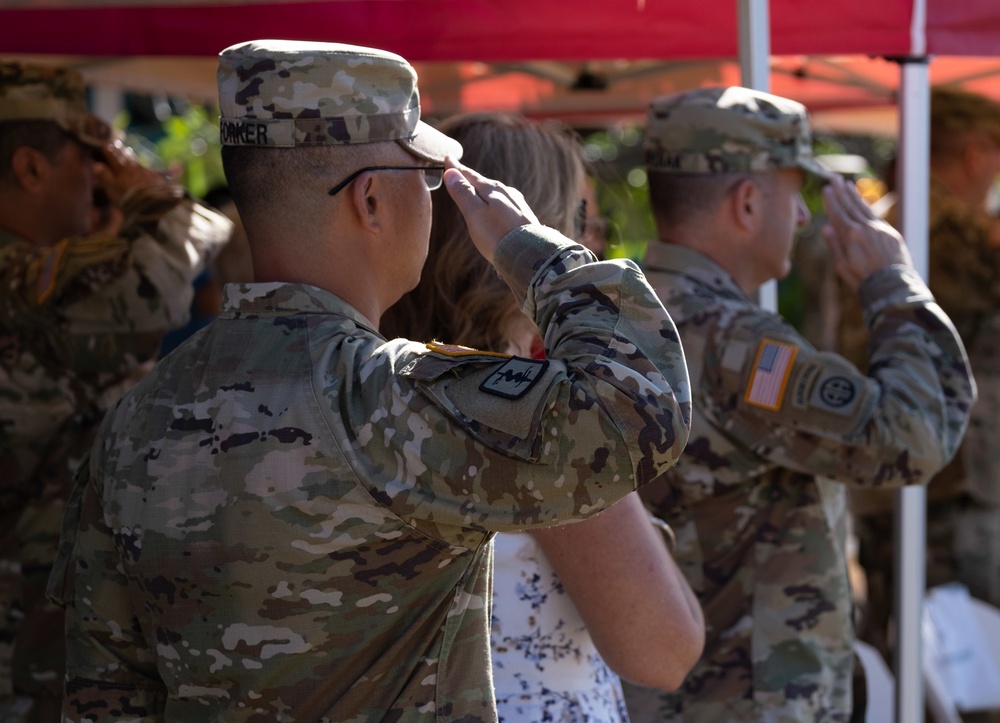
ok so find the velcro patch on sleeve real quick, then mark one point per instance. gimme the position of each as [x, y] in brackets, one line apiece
[770, 374]
[515, 378]
[734, 356]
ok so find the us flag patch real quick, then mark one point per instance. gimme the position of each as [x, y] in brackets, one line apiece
[770, 374]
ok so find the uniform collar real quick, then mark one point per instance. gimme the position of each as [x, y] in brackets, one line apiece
[283, 299]
[695, 271]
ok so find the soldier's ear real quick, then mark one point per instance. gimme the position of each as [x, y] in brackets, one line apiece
[29, 168]
[744, 204]
[367, 196]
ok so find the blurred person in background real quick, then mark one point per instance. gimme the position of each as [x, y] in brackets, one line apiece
[97, 256]
[963, 510]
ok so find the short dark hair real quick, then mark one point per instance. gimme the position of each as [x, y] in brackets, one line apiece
[676, 198]
[257, 175]
[42, 135]
[245, 168]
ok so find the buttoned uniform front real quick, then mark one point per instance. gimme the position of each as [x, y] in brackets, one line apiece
[759, 522]
[77, 322]
[291, 519]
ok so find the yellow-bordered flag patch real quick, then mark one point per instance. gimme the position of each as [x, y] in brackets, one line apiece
[771, 371]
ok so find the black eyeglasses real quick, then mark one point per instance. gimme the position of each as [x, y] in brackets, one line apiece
[433, 175]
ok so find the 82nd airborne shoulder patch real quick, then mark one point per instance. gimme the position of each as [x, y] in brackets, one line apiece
[515, 378]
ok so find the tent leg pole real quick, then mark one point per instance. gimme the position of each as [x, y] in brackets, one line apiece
[754, 29]
[911, 502]
[754, 44]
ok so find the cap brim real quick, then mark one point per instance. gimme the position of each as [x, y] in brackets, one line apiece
[430, 144]
[811, 165]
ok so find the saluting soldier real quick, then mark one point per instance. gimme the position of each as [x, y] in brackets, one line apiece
[290, 517]
[758, 516]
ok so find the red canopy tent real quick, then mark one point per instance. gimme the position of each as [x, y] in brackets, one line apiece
[496, 30]
[488, 30]
[588, 62]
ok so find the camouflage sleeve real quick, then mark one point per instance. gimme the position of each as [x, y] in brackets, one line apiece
[815, 412]
[457, 440]
[110, 658]
[102, 300]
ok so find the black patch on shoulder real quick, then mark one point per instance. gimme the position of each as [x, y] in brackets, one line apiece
[837, 391]
[514, 378]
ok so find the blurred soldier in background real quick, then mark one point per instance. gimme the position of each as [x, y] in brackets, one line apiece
[963, 510]
[87, 292]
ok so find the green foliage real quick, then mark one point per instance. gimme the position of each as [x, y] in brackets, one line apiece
[615, 157]
[190, 150]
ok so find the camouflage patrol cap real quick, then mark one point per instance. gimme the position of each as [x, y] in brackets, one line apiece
[728, 130]
[35, 92]
[957, 111]
[283, 93]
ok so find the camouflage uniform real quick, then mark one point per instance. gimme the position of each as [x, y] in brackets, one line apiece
[290, 517]
[760, 528]
[78, 321]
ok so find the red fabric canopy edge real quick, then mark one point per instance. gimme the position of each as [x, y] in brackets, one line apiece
[445, 30]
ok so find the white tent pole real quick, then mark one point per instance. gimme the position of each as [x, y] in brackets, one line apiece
[755, 72]
[913, 182]
[755, 44]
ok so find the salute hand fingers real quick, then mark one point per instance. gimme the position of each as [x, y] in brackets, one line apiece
[491, 209]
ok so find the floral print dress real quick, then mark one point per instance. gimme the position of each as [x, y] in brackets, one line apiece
[545, 666]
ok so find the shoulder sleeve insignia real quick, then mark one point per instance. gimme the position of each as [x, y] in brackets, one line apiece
[50, 269]
[770, 374]
[458, 350]
[803, 383]
[835, 393]
[515, 378]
